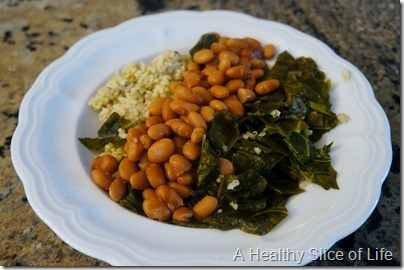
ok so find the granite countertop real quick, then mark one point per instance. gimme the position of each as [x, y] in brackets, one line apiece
[34, 33]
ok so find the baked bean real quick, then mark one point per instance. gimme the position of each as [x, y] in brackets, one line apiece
[144, 161]
[234, 85]
[186, 178]
[146, 141]
[246, 53]
[217, 105]
[268, 51]
[201, 94]
[141, 127]
[155, 175]
[232, 57]
[191, 151]
[203, 56]
[258, 63]
[205, 207]
[196, 120]
[161, 150]
[134, 150]
[237, 72]
[225, 166]
[183, 107]
[191, 78]
[234, 105]
[236, 43]
[179, 164]
[101, 179]
[180, 128]
[245, 95]
[159, 131]
[126, 168]
[169, 196]
[217, 47]
[184, 93]
[182, 190]
[219, 91]
[253, 43]
[192, 66]
[117, 189]
[166, 112]
[153, 120]
[106, 163]
[257, 73]
[156, 209]
[197, 135]
[224, 64]
[156, 106]
[134, 134]
[149, 194]
[169, 172]
[179, 142]
[267, 86]
[208, 113]
[216, 77]
[138, 180]
[209, 70]
[183, 214]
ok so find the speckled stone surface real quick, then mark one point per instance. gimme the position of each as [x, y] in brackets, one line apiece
[34, 33]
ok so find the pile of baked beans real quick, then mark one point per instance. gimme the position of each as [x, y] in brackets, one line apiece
[162, 153]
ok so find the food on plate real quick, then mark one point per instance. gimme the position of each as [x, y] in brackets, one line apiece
[218, 139]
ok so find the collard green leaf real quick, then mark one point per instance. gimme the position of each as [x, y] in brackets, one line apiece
[204, 42]
[208, 163]
[223, 132]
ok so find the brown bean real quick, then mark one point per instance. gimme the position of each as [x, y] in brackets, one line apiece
[217, 47]
[138, 180]
[224, 64]
[217, 105]
[268, 51]
[182, 190]
[161, 150]
[134, 150]
[126, 168]
[143, 162]
[159, 131]
[253, 43]
[156, 209]
[101, 179]
[184, 93]
[219, 91]
[234, 85]
[117, 189]
[153, 120]
[134, 134]
[169, 172]
[245, 95]
[166, 112]
[216, 77]
[149, 194]
[232, 57]
[246, 53]
[203, 56]
[186, 179]
[258, 63]
[267, 86]
[202, 95]
[257, 73]
[191, 151]
[169, 196]
[156, 106]
[225, 166]
[146, 141]
[183, 107]
[179, 164]
[191, 78]
[237, 72]
[208, 113]
[205, 207]
[106, 163]
[234, 105]
[197, 135]
[196, 120]
[236, 43]
[180, 128]
[183, 214]
[155, 175]
[192, 66]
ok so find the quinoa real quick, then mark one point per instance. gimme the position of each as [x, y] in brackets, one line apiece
[129, 91]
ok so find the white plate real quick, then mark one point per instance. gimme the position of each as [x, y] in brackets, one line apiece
[54, 166]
